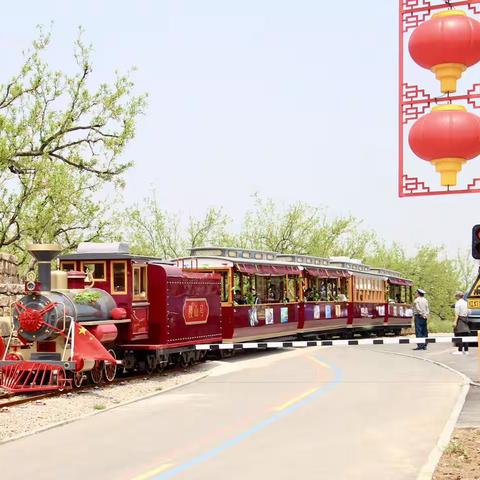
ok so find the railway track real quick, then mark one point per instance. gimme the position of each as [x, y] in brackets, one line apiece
[17, 400]
[8, 400]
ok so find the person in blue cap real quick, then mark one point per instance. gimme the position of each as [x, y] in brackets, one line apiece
[421, 313]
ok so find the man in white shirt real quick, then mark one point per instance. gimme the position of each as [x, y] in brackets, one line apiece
[421, 313]
[460, 324]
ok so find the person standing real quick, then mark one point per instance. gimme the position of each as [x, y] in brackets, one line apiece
[460, 325]
[421, 312]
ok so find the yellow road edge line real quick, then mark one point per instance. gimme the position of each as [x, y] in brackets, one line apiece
[323, 364]
[291, 402]
[285, 405]
[155, 471]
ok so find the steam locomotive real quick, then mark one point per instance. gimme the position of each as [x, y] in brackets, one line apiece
[106, 309]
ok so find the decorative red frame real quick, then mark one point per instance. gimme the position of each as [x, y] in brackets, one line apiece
[415, 101]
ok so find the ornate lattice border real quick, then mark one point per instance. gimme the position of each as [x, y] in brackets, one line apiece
[414, 101]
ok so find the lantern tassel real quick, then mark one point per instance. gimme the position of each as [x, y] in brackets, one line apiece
[448, 169]
[448, 74]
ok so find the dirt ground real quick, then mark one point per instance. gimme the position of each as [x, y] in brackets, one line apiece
[461, 459]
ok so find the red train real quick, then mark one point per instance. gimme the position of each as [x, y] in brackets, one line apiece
[106, 307]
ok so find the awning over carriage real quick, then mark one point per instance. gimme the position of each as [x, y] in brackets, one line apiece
[327, 273]
[267, 270]
[400, 281]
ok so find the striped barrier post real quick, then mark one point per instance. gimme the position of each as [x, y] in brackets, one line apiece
[336, 343]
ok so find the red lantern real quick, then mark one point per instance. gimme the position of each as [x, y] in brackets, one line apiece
[447, 44]
[448, 136]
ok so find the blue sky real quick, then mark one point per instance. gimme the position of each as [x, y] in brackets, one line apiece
[294, 100]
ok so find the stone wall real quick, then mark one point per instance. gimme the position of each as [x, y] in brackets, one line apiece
[11, 289]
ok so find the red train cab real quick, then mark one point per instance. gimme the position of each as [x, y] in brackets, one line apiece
[166, 309]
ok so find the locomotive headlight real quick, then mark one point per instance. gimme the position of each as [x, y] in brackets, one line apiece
[30, 286]
[31, 276]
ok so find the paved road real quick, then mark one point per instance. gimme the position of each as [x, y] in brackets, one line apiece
[469, 365]
[343, 413]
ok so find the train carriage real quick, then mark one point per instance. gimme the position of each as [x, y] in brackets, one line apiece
[302, 294]
[344, 295]
[399, 294]
[367, 295]
[273, 310]
[324, 296]
[379, 299]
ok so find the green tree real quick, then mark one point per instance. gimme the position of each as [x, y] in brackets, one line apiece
[67, 209]
[266, 227]
[429, 269]
[151, 230]
[60, 142]
[466, 268]
[302, 228]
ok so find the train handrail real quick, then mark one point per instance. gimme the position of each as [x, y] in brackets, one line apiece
[71, 332]
[7, 347]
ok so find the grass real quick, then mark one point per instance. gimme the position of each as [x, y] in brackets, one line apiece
[99, 406]
[435, 325]
[455, 448]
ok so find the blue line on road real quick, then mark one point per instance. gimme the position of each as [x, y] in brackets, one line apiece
[252, 431]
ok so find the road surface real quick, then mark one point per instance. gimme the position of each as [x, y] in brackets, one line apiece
[343, 413]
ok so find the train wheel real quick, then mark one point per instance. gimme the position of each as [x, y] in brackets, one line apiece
[77, 379]
[162, 363]
[61, 380]
[110, 369]
[226, 354]
[96, 374]
[150, 363]
[184, 360]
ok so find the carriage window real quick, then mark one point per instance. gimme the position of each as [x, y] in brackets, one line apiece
[343, 290]
[96, 268]
[225, 285]
[293, 289]
[119, 277]
[67, 266]
[140, 282]
[275, 290]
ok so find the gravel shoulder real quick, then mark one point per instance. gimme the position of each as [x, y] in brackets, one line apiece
[23, 419]
[461, 458]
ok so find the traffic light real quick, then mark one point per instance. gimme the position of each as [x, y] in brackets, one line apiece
[476, 242]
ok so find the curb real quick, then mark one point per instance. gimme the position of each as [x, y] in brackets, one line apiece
[428, 469]
[91, 414]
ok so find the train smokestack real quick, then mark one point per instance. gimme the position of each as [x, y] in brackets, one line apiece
[44, 254]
